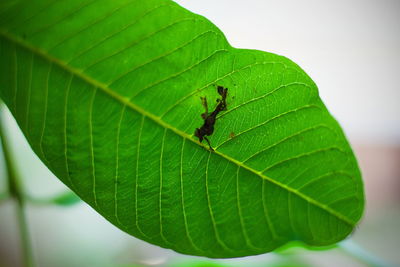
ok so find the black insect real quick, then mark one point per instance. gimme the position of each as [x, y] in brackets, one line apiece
[209, 119]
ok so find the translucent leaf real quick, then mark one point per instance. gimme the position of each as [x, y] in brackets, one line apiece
[108, 95]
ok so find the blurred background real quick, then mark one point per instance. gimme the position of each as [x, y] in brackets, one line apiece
[351, 49]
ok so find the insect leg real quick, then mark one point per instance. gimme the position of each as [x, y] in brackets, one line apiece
[209, 143]
[204, 102]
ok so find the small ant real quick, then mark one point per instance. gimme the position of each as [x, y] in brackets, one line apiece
[209, 119]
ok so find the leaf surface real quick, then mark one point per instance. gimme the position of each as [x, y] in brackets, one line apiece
[108, 95]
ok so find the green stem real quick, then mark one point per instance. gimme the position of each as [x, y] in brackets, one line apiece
[356, 251]
[15, 191]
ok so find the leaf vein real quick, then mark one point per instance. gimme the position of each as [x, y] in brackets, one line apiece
[28, 101]
[91, 145]
[280, 115]
[287, 138]
[89, 25]
[160, 190]
[107, 37]
[178, 73]
[217, 237]
[74, 11]
[15, 78]
[32, 16]
[302, 155]
[137, 179]
[183, 200]
[157, 119]
[46, 100]
[132, 44]
[213, 82]
[262, 97]
[160, 57]
[266, 213]
[116, 178]
[65, 133]
[242, 224]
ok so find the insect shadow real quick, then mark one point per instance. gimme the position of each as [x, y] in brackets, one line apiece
[207, 128]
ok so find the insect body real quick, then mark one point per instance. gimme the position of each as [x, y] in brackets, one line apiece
[209, 119]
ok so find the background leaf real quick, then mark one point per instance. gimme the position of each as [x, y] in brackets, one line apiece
[108, 95]
[63, 199]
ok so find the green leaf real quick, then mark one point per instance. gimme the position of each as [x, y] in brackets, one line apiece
[65, 199]
[197, 263]
[108, 95]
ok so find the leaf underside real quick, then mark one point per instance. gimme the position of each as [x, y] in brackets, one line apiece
[108, 95]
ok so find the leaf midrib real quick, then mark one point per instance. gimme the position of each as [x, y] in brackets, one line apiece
[125, 101]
